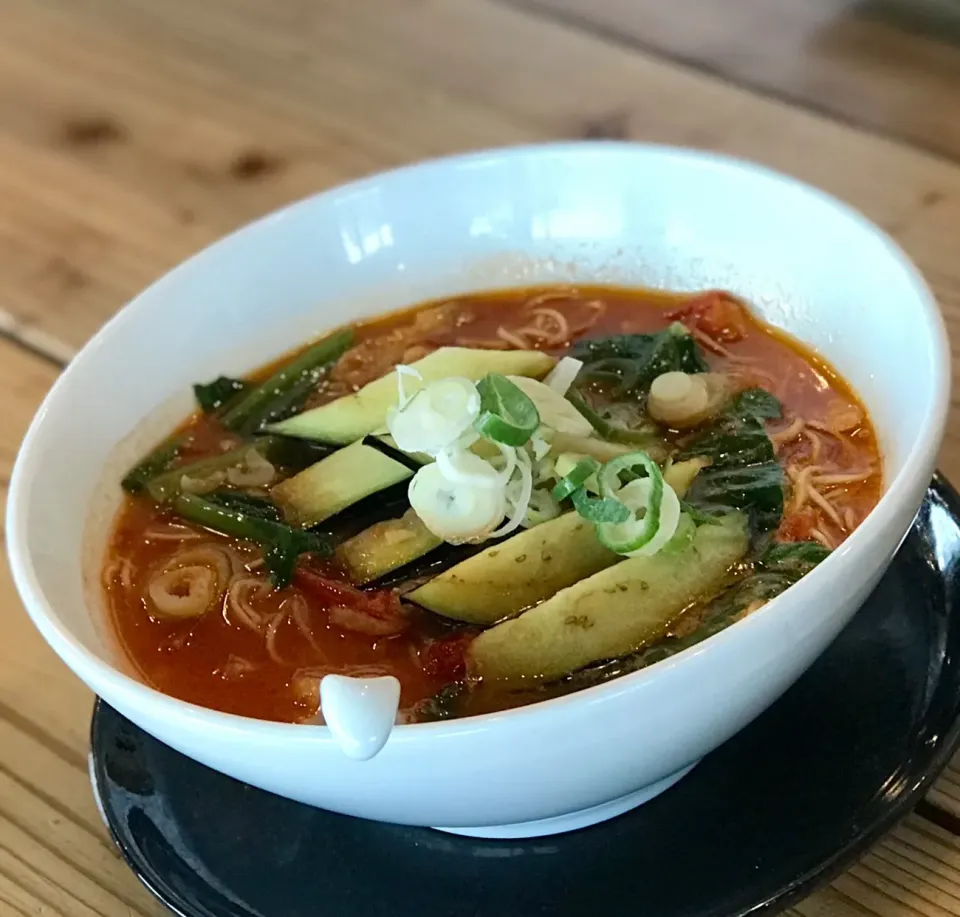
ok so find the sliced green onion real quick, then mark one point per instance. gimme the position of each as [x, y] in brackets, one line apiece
[600, 510]
[643, 495]
[609, 476]
[576, 478]
[507, 415]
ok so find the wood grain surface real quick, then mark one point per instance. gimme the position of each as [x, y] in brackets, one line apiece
[134, 132]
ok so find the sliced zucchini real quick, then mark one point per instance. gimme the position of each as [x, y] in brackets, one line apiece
[336, 482]
[506, 578]
[354, 416]
[611, 613]
[385, 547]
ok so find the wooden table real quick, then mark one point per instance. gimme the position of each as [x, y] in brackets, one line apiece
[133, 132]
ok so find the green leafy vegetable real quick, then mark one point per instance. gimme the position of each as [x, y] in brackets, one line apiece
[507, 415]
[576, 478]
[287, 388]
[255, 507]
[162, 457]
[599, 510]
[744, 472]
[793, 558]
[632, 361]
[703, 516]
[283, 393]
[644, 434]
[214, 395]
[758, 403]
[756, 488]
[282, 544]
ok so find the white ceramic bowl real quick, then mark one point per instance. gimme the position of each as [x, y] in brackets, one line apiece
[621, 213]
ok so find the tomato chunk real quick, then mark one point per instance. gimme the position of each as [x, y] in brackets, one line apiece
[446, 659]
[377, 612]
[716, 314]
[798, 525]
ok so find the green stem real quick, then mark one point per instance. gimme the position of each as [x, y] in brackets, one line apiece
[607, 430]
[231, 522]
[282, 545]
[246, 413]
[137, 478]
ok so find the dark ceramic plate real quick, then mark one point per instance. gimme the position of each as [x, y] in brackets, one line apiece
[777, 811]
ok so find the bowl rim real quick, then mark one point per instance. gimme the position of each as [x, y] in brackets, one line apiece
[921, 455]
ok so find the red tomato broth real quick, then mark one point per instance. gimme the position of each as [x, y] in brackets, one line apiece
[216, 662]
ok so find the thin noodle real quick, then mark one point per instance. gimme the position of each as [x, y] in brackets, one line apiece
[415, 655]
[513, 339]
[224, 560]
[482, 343]
[170, 531]
[273, 626]
[826, 428]
[550, 296]
[559, 319]
[825, 505]
[299, 618]
[822, 538]
[126, 573]
[238, 607]
[801, 487]
[835, 480]
[791, 432]
[816, 444]
[121, 569]
[711, 344]
[849, 519]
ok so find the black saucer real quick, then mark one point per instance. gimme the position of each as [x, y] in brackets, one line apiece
[779, 810]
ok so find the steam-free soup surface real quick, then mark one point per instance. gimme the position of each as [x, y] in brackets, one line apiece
[261, 651]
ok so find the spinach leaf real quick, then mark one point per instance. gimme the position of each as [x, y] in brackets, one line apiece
[251, 519]
[744, 472]
[283, 550]
[642, 433]
[633, 361]
[213, 395]
[282, 544]
[793, 559]
[257, 507]
[757, 403]
[758, 489]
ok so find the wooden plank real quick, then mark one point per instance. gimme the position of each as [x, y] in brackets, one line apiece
[55, 854]
[892, 66]
[290, 88]
[946, 793]
[183, 92]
